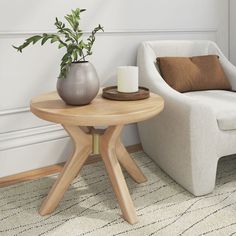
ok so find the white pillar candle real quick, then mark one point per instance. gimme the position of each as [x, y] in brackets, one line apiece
[127, 79]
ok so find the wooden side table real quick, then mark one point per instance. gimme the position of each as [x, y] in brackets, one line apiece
[79, 121]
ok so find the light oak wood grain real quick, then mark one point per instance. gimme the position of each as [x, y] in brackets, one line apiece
[71, 169]
[100, 112]
[113, 114]
[108, 153]
[128, 164]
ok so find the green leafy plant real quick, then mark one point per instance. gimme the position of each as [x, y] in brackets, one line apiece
[68, 37]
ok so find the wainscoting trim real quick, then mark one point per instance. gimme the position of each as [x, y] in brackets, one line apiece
[31, 136]
[114, 32]
[13, 111]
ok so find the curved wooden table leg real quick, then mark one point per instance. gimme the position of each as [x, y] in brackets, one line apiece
[83, 148]
[129, 164]
[108, 152]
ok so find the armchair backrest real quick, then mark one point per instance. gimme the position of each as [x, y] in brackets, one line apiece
[184, 48]
[150, 50]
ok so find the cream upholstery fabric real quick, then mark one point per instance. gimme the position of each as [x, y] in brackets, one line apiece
[185, 139]
[222, 103]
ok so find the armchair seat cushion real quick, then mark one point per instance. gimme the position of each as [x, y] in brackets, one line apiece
[223, 104]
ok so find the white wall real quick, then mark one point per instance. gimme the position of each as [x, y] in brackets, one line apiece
[27, 142]
[232, 51]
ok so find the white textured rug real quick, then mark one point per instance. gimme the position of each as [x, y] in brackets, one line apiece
[90, 208]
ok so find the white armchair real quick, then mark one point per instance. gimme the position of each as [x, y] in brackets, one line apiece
[196, 128]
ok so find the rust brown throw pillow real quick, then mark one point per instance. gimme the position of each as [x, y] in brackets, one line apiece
[186, 74]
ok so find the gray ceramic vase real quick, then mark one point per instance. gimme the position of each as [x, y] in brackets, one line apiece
[80, 86]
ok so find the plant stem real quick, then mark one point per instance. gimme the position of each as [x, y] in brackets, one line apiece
[83, 57]
[62, 43]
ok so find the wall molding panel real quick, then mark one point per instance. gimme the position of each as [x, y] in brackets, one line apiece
[31, 136]
[12, 111]
[114, 32]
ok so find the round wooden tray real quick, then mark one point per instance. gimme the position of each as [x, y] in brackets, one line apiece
[113, 94]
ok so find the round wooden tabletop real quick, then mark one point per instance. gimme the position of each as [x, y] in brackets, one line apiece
[100, 111]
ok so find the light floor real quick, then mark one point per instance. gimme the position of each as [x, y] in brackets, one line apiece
[90, 208]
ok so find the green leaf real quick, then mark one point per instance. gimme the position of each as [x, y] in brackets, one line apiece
[65, 57]
[70, 20]
[45, 39]
[75, 55]
[80, 52]
[82, 44]
[69, 60]
[61, 45]
[27, 42]
[54, 39]
[76, 48]
[78, 35]
[36, 38]
[17, 48]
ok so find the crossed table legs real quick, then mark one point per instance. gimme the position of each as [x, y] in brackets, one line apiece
[112, 152]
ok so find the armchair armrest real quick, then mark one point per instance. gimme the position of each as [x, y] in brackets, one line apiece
[182, 115]
[230, 71]
[182, 139]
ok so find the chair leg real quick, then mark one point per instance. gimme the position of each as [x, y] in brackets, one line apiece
[203, 177]
[195, 174]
